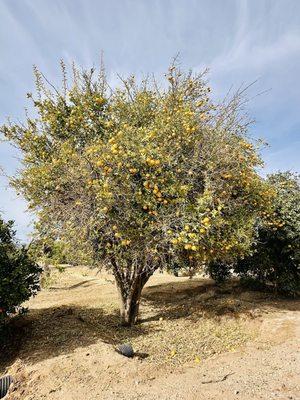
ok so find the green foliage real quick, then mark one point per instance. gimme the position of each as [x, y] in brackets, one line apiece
[50, 251]
[219, 271]
[19, 274]
[275, 256]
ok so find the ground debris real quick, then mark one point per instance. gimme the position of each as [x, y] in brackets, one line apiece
[218, 380]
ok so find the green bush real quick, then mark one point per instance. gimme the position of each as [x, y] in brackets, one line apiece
[274, 258]
[219, 271]
[275, 255]
[19, 274]
[50, 252]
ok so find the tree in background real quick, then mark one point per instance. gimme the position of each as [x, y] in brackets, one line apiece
[19, 274]
[50, 251]
[275, 255]
[140, 177]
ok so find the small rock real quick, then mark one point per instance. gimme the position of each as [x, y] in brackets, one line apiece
[126, 350]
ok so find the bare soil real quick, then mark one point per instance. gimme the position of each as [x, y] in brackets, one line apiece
[194, 341]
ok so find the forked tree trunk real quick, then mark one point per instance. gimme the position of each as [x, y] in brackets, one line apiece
[130, 299]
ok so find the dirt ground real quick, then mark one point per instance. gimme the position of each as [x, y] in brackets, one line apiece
[194, 341]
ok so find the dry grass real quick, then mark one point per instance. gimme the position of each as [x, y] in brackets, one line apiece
[184, 341]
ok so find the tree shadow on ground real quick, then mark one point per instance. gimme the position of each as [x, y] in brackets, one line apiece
[198, 298]
[49, 332]
[86, 283]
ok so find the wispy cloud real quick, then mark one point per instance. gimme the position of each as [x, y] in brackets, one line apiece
[240, 40]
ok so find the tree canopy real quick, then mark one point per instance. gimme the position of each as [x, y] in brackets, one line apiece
[141, 176]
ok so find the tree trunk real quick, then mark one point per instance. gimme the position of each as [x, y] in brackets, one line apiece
[130, 300]
[191, 272]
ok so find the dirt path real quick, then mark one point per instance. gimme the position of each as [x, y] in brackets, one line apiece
[201, 342]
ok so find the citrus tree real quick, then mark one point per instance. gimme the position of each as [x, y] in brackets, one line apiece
[141, 176]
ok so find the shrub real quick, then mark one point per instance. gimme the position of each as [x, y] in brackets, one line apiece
[219, 271]
[49, 252]
[275, 255]
[19, 274]
[140, 177]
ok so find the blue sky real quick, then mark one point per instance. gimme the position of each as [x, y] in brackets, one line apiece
[239, 40]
